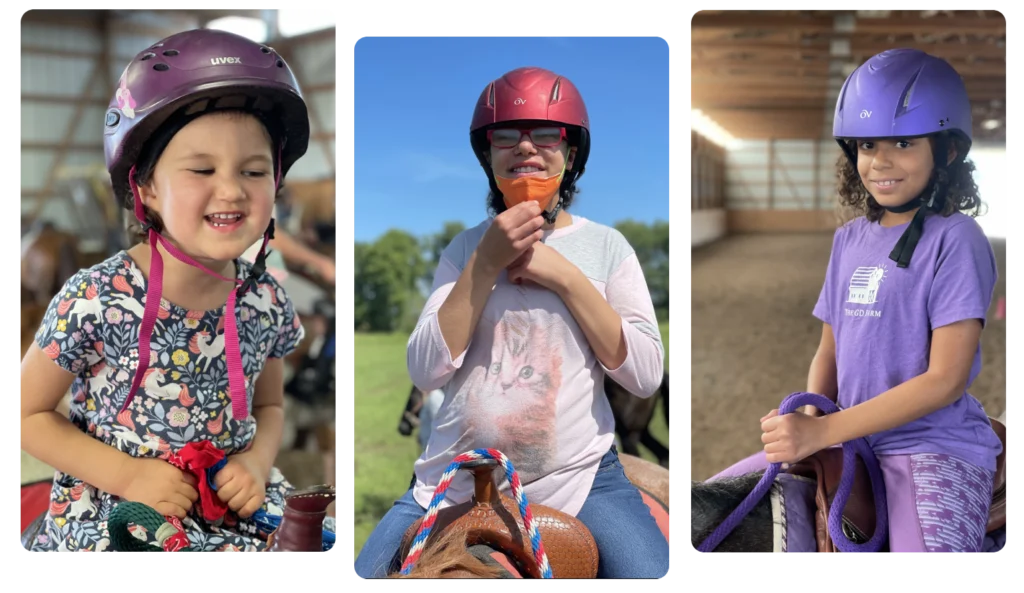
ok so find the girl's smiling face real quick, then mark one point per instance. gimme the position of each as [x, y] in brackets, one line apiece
[213, 186]
[896, 170]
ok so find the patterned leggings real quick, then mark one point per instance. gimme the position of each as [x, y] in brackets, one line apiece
[937, 502]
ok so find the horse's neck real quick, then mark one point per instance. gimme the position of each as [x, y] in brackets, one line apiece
[711, 504]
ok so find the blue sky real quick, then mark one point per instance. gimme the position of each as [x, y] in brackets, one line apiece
[414, 98]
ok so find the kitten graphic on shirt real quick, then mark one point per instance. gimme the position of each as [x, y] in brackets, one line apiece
[511, 404]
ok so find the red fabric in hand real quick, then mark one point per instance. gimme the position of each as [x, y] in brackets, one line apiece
[178, 541]
[195, 458]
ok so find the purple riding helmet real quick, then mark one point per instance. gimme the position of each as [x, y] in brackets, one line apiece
[169, 84]
[903, 93]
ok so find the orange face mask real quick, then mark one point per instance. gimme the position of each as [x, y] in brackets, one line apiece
[526, 189]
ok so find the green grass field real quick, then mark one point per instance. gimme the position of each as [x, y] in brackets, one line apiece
[384, 458]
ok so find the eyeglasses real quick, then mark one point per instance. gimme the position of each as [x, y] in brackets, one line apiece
[509, 137]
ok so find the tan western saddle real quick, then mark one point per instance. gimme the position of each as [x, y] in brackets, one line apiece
[493, 520]
[826, 467]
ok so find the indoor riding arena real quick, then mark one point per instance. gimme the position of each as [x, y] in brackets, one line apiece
[78, 71]
[764, 197]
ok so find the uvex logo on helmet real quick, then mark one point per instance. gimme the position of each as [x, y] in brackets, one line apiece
[864, 113]
[216, 61]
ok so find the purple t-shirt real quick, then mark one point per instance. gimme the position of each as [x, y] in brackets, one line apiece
[882, 317]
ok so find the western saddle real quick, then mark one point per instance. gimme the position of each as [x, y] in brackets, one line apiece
[492, 519]
[826, 466]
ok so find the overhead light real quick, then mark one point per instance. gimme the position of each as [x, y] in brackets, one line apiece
[710, 129]
[991, 124]
[839, 47]
[250, 28]
[298, 20]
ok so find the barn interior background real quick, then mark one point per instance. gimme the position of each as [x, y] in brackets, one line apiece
[764, 88]
[70, 64]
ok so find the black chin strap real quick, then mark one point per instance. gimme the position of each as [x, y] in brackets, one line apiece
[549, 217]
[259, 266]
[907, 243]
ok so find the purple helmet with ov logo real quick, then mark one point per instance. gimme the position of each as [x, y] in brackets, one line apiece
[902, 93]
[906, 93]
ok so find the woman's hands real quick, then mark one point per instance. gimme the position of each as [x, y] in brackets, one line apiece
[543, 265]
[511, 233]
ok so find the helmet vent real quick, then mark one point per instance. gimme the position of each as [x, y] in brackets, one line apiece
[909, 91]
[907, 95]
[490, 96]
[280, 64]
[148, 56]
[555, 91]
[171, 52]
[265, 49]
[161, 67]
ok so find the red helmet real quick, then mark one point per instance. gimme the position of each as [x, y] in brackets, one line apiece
[532, 94]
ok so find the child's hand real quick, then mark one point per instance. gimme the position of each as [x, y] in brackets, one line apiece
[241, 484]
[161, 486]
[791, 437]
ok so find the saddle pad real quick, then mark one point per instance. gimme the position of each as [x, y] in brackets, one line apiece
[795, 515]
[657, 510]
[35, 500]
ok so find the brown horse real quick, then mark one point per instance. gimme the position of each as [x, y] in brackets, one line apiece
[49, 259]
[459, 549]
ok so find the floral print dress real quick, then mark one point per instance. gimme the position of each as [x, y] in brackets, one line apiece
[91, 328]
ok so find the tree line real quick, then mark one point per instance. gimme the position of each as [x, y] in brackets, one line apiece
[393, 274]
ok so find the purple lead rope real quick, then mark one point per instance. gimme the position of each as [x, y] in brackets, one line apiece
[835, 514]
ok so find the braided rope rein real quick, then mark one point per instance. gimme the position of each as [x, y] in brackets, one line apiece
[419, 542]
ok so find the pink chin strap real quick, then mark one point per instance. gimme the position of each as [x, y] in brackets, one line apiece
[236, 375]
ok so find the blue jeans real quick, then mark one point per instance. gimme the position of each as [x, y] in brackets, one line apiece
[629, 543]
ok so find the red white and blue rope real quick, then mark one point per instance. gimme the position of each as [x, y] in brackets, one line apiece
[517, 492]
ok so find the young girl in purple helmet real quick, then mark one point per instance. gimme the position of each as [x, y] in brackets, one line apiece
[528, 312]
[905, 298]
[177, 340]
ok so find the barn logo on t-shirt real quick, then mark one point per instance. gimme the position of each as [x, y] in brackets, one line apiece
[864, 285]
